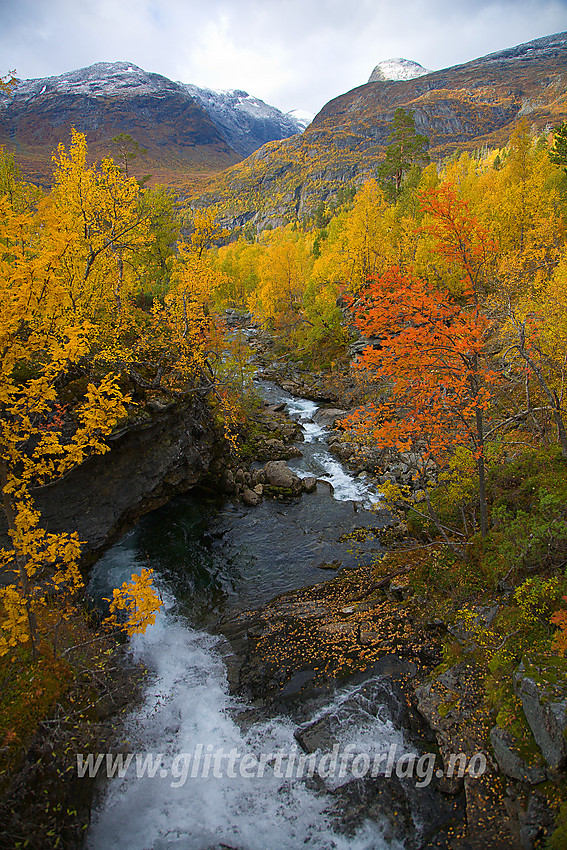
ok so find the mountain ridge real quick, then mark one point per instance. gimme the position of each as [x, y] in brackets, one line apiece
[464, 107]
[201, 129]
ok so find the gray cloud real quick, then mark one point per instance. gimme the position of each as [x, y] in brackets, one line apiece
[292, 53]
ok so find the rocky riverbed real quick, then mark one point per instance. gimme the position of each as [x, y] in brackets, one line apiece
[292, 654]
[358, 660]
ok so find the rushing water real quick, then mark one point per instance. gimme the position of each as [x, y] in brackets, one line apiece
[207, 558]
[215, 556]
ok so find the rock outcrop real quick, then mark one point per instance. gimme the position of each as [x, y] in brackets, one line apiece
[165, 454]
[545, 708]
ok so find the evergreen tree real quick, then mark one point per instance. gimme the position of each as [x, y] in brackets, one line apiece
[406, 148]
[558, 153]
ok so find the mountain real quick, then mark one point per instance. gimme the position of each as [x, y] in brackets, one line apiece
[460, 108]
[397, 69]
[188, 132]
[245, 122]
[303, 117]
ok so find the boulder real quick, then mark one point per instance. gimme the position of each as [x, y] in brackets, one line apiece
[327, 416]
[545, 707]
[309, 484]
[278, 474]
[258, 476]
[227, 481]
[511, 761]
[251, 498]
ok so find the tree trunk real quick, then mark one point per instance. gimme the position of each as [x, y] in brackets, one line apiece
[481, 475]
[22, 572]
[552, 398]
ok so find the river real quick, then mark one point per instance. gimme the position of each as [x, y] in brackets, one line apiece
[210, 558]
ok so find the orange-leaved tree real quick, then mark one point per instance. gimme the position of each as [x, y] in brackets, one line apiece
[436, 385]
[431, 361]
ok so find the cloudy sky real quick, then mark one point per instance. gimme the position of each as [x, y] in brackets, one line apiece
[294, 54]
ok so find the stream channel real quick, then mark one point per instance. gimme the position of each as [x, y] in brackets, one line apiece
[210, 558]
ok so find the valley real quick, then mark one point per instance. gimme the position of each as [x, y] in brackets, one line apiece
[282, 461]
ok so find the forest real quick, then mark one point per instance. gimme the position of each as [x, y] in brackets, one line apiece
[114, 297]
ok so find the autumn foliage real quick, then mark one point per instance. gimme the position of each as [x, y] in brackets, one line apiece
[79, 356]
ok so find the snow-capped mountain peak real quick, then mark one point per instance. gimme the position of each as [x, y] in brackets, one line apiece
[102, 78]
[397, 69]
[245, 120]
[302, 116]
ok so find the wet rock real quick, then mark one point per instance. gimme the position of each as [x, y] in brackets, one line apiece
[333, 565]
[250, 498]
[379, 799]
[344, 451]
[309, 484]
[227, 481]
[378, 698]
[275, 408]
[328, 416]
[300, 685]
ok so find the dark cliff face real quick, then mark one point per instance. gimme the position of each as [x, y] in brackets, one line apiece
[244, 121]
[145, 468]
[459, 108]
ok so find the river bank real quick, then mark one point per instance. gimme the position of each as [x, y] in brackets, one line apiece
[288, 660]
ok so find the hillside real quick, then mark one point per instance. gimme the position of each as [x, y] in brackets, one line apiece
[460, 108]
[188, 132]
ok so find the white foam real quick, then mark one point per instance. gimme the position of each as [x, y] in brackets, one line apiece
[187, 704]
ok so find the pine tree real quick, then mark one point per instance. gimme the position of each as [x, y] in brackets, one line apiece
[406, 148]
[558, 153]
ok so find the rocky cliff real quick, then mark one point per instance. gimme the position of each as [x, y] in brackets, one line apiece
[165, 453]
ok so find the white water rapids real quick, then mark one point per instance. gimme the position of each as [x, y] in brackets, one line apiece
[188, 708]
[317, 459]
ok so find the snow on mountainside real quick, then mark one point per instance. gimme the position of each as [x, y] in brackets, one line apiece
[302, 117]
[111, 79]
[397, 69]
[243, 121]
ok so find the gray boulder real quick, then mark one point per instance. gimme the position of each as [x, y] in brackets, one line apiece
[309, 484]
[278, 474]
[545, 707]
[251, 498]
[327, 416]
[511, 761]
